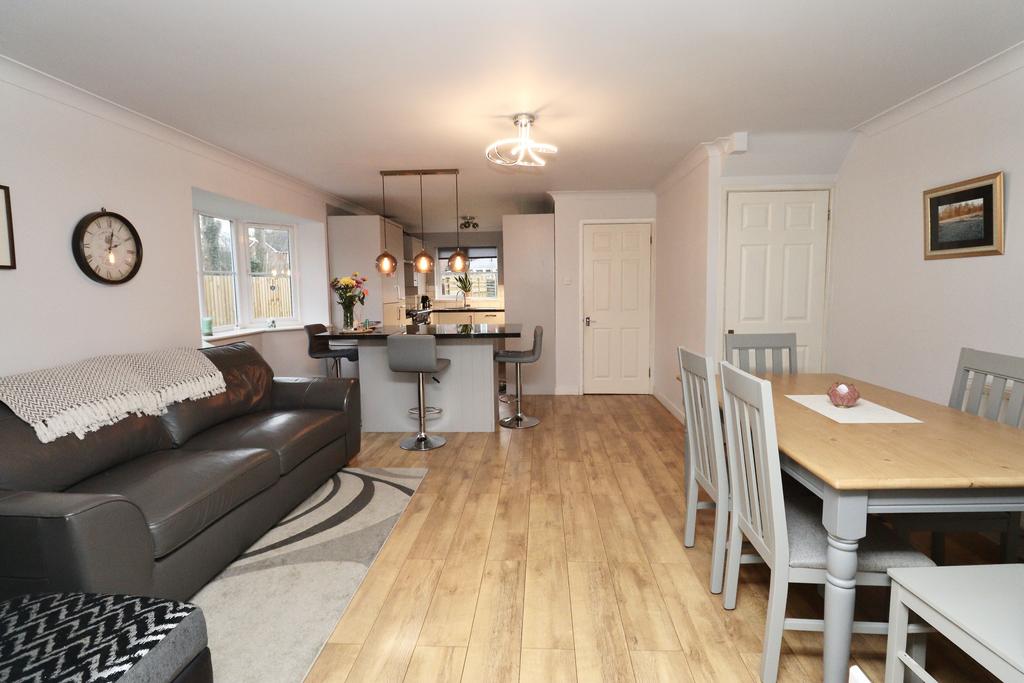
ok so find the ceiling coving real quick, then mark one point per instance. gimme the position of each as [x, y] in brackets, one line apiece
[521, 150]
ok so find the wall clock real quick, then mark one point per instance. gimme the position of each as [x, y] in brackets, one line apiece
[107, 247]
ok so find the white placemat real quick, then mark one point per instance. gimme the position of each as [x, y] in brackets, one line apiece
[865, 412]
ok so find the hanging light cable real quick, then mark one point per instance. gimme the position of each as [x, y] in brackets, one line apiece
[386, 262]
[458, 262]
[423, 262]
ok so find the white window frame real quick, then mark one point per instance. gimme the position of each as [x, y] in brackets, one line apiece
[442, 266]
[243, 275]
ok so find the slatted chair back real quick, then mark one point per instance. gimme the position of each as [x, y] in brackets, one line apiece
[782, 346]
[755, 473]
[704, 446]
[990, 385]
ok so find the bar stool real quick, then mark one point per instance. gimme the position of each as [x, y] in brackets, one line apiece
[417, 353]
[520, 421]
[320, 348]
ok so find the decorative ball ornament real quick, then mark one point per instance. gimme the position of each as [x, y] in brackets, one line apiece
[458, 262]
[843, 395]
[387, 264]
[423, 262]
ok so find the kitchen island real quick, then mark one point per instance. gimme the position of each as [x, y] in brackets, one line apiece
[466, 393]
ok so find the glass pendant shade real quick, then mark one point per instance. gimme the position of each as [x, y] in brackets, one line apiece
[458, 262]
[387, 264]
[423, 263]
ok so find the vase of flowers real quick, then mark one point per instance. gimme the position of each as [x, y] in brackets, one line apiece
[351, 290]
[464, 285]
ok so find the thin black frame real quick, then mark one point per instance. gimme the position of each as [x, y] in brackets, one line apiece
[10, 228]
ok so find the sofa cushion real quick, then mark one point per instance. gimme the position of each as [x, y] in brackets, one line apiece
[27, 464]
[183, 491]
[249, 380]
[293, 435]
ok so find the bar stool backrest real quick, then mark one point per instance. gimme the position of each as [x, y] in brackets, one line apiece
[412, 353]
[317, 344]
[538, 343]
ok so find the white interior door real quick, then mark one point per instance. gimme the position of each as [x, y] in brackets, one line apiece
[775, 267]
[617, 309]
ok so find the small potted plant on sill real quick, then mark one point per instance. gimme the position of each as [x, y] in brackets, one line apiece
[464, 285]
[351, 290]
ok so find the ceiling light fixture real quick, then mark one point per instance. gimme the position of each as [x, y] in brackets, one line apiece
[387, 264]
[458, 262]
[521, 150]
[468, 223]
[423, 262]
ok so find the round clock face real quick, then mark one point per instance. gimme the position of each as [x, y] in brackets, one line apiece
[107, 247]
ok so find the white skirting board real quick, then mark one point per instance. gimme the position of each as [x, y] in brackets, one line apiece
[467, 393]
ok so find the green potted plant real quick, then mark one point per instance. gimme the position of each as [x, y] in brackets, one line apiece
[464, 285]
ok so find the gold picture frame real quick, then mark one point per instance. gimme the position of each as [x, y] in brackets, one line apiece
[964, 219]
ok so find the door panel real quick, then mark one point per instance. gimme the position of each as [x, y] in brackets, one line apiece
[617, 300]
[775, 267]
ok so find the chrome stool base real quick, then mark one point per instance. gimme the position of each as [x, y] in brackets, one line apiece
[518, 422]
[422, 442]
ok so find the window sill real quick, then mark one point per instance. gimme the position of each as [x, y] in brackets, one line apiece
[248, 332]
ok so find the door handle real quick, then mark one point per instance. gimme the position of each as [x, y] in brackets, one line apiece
[586, 321]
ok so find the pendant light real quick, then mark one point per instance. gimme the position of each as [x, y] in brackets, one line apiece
[423, 262]
[387, 265]
[458, 262]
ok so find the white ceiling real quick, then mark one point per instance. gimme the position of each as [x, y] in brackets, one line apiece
[332, 91]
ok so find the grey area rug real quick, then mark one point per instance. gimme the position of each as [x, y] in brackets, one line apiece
[271, 611]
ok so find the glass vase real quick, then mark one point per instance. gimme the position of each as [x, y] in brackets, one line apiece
[348, 321]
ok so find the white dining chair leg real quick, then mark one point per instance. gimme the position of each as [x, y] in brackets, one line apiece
[690, 525]
[1011, 542]
[718, 543]
[899, 618]
[733, 557]
[917, 648]
[775, 624]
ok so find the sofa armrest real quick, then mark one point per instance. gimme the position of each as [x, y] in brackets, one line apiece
[94, 543]
[324, 393]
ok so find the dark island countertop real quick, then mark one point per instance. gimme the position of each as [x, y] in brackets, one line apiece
[443, 331]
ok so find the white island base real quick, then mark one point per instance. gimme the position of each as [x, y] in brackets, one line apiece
[467, 393]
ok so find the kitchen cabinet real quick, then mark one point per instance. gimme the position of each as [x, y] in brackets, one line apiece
[457, 317]
[393, 314]
[353, 244]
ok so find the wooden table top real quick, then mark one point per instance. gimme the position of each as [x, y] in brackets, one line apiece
[950, 449]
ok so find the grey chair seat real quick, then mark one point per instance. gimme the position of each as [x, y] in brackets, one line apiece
[181, 492]
[508, 356]
[879, 551]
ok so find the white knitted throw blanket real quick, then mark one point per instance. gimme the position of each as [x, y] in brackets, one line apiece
[82, 397]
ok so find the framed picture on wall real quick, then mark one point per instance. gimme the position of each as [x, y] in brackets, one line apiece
[965, 218]
[6, 229]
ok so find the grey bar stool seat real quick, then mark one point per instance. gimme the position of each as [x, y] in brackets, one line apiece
[520, 421]
[417, 353]
[320, 348]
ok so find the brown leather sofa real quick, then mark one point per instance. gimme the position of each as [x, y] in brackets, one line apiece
[159, 505]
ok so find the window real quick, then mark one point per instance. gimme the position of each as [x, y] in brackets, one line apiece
[483, 273]
[247, 272]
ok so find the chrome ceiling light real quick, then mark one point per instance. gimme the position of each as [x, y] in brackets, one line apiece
[521, 150]
[387, 264]
[468, 223]
[458, 262]
[423, 262]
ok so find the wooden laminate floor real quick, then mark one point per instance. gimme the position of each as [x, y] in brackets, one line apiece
[555, 554]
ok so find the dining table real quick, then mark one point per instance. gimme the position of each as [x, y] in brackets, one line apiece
[947, 461]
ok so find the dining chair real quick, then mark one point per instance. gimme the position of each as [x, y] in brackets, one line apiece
[990, 385]
[786, 531]
[739, 347]
[705, 456]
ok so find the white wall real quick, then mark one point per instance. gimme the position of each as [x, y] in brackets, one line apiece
[66, 153]
[894, 318]
[529, 264]
[572, 209]
[681, 273]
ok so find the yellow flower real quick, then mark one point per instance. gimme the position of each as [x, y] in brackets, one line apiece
[347, 282]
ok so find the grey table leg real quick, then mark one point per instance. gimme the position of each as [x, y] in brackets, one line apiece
[844, 516]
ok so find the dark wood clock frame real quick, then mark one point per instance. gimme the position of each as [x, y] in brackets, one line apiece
[83, 263]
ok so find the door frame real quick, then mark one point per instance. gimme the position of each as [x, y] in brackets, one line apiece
[651, 308]
[723, 237]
